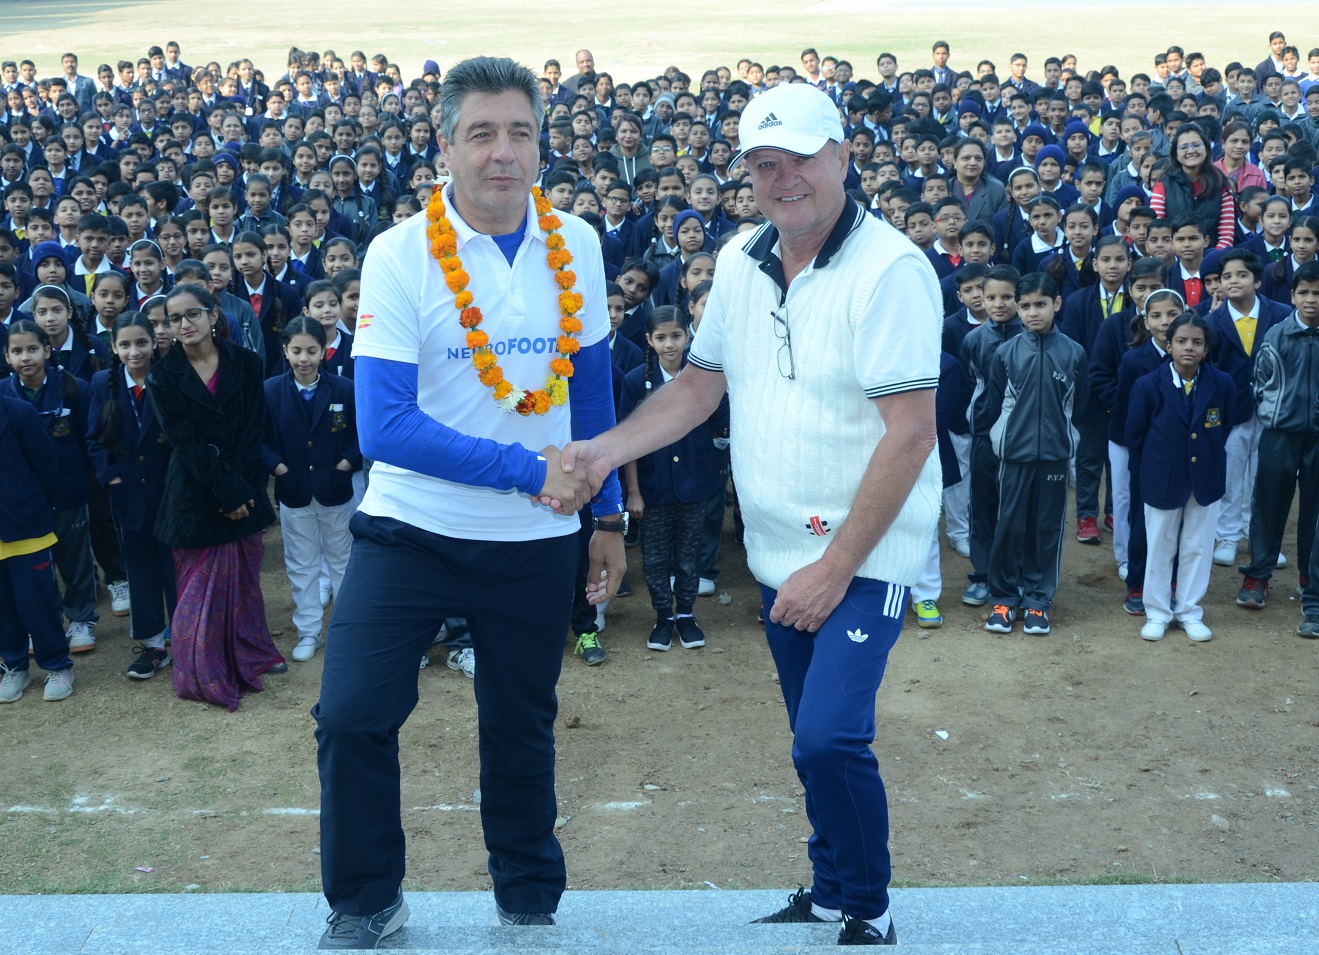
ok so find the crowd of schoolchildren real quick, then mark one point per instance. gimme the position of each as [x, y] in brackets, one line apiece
[1128, 266]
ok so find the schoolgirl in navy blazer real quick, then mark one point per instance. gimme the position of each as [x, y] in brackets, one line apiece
[1110, 345]
[144, 458]
[1136, 364]
[1180, 440]
[310, 442]
[687, 470]
[62, 404]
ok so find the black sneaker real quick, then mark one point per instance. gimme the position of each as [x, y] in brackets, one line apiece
[798, 909]
[588, 645]
[661, 637]
[523, 918]
[1000, 619]
[689, 634]
[149, 660]
[1036, 623]
[363, 931]
[861, 932]
[1254, 594]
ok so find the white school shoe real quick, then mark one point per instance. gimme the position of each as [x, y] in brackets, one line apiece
[1282, 560]
[119, 602]
[326, 593]
[81, 636]
[963, 547]
[1197, 631]
[1122, 571]
[1153, 630]
[1225, 553]
[705, 588]
[306, 649]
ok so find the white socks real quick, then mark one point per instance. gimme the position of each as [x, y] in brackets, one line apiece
[881, 924]
[827, 915]
[155, 643]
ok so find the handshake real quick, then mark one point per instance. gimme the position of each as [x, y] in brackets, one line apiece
[573, 476]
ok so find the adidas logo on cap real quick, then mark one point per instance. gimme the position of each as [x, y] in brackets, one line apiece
[770, 120]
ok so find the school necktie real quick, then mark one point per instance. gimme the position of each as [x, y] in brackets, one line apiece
[87, 280]
[256, 299]
[138, 392]
[1276, 255]
[308, 394]
[1186, 387]
[329, 354]
[298, 265]
[1194, 289]
[1246, 332]
[1110, 304]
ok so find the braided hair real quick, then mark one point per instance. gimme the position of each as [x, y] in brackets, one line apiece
[108, 426]
[662, 315]
[1062, 260]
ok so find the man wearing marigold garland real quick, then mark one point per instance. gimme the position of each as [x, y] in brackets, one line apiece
[824, 327]
[482, 335]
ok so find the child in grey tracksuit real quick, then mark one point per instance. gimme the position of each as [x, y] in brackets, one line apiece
[1037, 386]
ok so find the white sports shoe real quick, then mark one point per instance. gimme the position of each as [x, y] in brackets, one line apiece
[705, 588]
[306, 649]
[81, 636]
[463, 661]
[1154, 630]
[13, 683]
[326, 593]
[1197, 631]
[962, 547]
[1122, 571]
[1225, 553]
[119, 604]
[59, 685]
[1282, 560]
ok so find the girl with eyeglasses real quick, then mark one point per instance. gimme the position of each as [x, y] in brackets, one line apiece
[209, 396]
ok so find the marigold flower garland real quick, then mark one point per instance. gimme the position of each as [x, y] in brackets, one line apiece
[444, 249]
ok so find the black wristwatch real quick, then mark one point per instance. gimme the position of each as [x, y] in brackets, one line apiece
[611, 527]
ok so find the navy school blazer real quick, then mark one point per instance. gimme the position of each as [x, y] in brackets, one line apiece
[143, 457]
[1110, 344]
[78, 360]
[290, 300]
[687, 470]
[1178, 443]
[1083, 316]
[1229, 355]
[1135, 364]
[26, 453]
[341, 362]
[65, 420]
[311, 449]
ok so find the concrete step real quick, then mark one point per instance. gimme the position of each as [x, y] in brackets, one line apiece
[1246, 919]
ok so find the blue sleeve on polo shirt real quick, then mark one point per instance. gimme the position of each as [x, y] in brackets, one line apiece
[393, 429]
[592, 407]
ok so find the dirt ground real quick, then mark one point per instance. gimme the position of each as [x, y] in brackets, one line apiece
[1089, 755]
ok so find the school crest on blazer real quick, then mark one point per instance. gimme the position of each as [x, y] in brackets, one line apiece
[1213, 418]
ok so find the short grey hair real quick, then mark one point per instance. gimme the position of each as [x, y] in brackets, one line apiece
[485, 74]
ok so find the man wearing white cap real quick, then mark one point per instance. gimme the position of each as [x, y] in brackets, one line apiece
[824, 327]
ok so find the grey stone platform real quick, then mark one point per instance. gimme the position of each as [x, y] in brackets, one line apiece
[1239, 919]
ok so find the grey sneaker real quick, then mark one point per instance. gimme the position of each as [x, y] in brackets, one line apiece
[13, 683]
[59, 685]
[1309, 628]
[363, 931]
[523, 918]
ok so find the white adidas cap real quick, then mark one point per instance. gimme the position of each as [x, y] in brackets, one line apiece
[796, 117]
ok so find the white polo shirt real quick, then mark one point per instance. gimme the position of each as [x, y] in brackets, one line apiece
[406, 314]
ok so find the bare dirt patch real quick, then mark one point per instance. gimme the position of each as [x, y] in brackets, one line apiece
[1088, 755]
